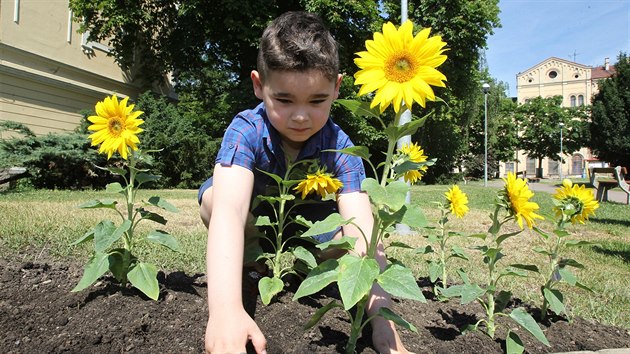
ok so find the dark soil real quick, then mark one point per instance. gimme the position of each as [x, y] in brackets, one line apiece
[39, 314]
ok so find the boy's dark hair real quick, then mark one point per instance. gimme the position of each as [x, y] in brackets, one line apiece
[298, 41]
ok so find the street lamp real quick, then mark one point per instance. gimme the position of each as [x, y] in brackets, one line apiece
[561, 126]
[486, 89]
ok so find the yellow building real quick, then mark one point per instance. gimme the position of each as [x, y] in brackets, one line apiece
[48, 71]
[576, 83]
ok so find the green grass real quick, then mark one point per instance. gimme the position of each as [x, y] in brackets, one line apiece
[37, 222]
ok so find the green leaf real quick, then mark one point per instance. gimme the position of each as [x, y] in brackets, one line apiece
[268, 288]
[467, 292]
[567, 276]
[305, 256]
[388, 314]
[411, 127]
[479, 236]
[512, 272]
[89, 235]
[393, 195]
[94, 269]
[116, 264]
[161, 203]
[561, 233]
[145, 177]
[106, 233]
[555, 299]
[360, 151]
[541, 251]
[331, 223]
[513, 344]
[576, 243]
[164, 238]
[114, 188]
[275, 177]
[570, 263]
[318, 278]
[99, 203]
[541, 232]
[526, 321]
[504, 237]
[399, 244]
[344, 243]
[356, 277]
[501, 300]
[148, 215]
[399, 281]
[117, 171]
[584, 287]
[144, 277]
[264, 221]
[458, 252]
[414, 217]
[528, 267]
[321, 312]
[424, 250]
[435, 271]
[359, 108]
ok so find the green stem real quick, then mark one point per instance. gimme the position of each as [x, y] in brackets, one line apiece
[128, 236]
[356, 323]
[391, 145]
[490, 311]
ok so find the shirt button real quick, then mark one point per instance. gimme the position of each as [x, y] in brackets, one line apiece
[231, 146]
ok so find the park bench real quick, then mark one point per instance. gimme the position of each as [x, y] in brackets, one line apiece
[10, 175]
[613, 177]
[523, 175]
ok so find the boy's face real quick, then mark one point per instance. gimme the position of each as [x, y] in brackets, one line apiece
[298, 103]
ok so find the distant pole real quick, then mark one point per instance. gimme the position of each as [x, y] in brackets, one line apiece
[405, 117]
[561, 126]
[486, 89]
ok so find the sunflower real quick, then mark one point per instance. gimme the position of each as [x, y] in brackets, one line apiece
[400, 66]
[116, 126]
[457, 201]
[519, 206]
[320, 182]
[414, 153]
[577, 198]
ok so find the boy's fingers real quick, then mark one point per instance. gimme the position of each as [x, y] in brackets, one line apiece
[259, 342]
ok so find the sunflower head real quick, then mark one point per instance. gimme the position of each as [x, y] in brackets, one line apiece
[457, 201]
[576, 202]
[320, 182]
[516, 195]
[115, 127]
[411, 152]
[400, 67]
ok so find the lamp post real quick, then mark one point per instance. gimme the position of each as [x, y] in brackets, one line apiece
[486, 89]
[560, 167]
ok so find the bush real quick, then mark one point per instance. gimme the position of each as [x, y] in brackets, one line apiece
[54, 161]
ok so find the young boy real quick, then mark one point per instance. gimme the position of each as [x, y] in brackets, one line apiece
[297, 78]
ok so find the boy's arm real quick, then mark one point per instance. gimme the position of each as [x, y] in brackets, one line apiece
[357, 205]
[229, 326]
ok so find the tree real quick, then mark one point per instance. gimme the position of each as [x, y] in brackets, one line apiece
[539, 125]
[610, 119]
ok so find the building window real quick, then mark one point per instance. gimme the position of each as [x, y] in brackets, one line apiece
[577, 165]
[530, 166]
[553, 167]
[580, 100]
[553, 74]
[509, 167]
[572, 100]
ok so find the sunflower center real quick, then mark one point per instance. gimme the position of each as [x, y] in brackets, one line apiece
[400, 69]
[116, 125]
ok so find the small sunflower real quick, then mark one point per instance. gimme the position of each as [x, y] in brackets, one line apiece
[400, 66]
[116, 126]
[457, 201]
[519, 206]
[577, 198]
[320, 182]
[414, 153]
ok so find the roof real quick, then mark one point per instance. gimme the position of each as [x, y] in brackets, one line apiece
[600, 72]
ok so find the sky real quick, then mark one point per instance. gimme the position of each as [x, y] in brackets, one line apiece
[585, 31]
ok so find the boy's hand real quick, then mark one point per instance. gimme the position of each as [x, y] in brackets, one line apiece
[230, 333]
[385, 337]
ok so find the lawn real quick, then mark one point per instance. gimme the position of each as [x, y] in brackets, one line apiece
[34, 222]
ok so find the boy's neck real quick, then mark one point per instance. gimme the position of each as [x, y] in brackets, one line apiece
[291, 150]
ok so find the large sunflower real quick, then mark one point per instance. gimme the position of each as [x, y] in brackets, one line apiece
[457, 201]
[517, 196]
[400, 66]
[320, 182]
[414, 153]
[577, 198]
[115, 126]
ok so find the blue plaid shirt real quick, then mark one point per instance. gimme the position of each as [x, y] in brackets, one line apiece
[252, 142]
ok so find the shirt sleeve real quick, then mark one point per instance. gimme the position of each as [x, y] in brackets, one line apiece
[236, 146]
[348, 169]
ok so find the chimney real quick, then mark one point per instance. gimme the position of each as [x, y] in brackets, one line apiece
[606, 64]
